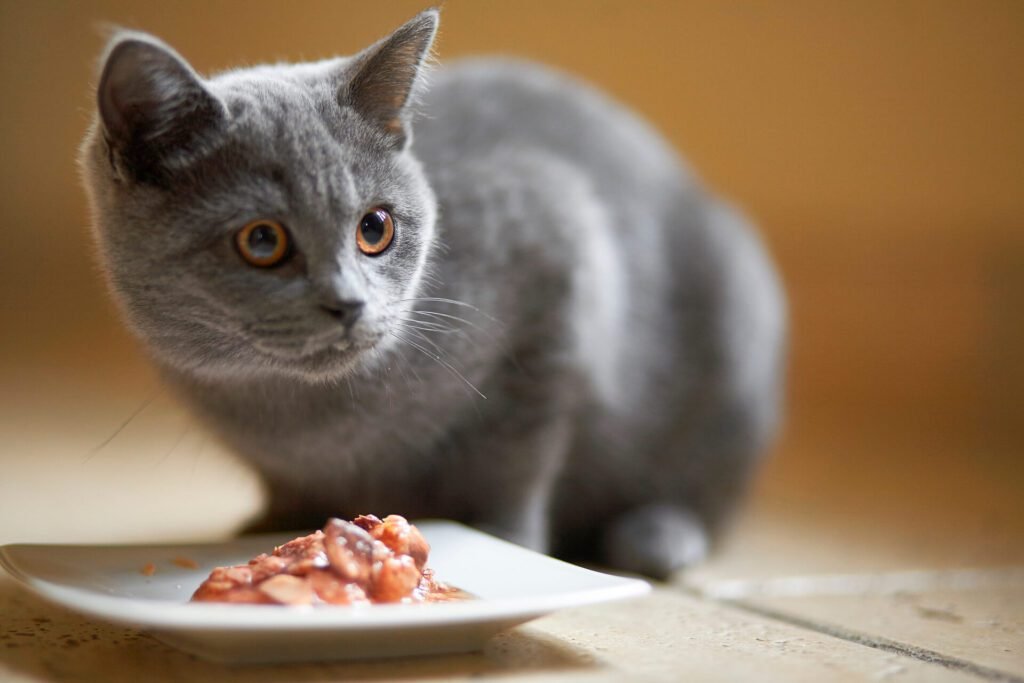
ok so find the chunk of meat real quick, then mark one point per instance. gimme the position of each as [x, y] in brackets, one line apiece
[394, 578]
[402, 538]
[367, 560]
[287, 589]
[230, 584]
[350, 550]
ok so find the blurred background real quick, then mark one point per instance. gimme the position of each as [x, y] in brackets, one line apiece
[879, 145]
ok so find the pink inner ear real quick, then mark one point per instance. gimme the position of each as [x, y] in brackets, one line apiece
[381, 87]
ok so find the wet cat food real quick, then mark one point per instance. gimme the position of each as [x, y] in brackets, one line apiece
[367, 560]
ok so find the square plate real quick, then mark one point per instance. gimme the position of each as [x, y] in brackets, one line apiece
[511, 585]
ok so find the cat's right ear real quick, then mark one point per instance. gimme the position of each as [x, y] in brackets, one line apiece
[152, 105]
[382, 80]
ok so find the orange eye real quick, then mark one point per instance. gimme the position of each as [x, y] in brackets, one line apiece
[262, 243]
[375, 232]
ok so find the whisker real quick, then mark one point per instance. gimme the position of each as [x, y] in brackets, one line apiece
[412, 369]
[196, 457]
[490, 334]
[445, 330]
[406, 364]
[453, 302]
[432, 326]
[145, 404]
[440, 360]
[425, 322]
[403, 365]
[424, 325]
[381, 368]
[456, 318]
[174, 447]
[351, 391]
[441, 352]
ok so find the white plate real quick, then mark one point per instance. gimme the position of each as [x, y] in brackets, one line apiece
[511, 584]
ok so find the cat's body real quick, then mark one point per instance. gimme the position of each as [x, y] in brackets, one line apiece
[625, 328]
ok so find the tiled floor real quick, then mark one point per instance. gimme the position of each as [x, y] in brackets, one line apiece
[858, 572]
[969, 620]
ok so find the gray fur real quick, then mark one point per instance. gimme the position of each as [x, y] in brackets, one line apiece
[626, 328]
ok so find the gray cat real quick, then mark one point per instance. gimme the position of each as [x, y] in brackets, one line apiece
[492, 295]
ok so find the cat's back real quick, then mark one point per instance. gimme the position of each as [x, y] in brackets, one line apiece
[553, 188]
[480, 107]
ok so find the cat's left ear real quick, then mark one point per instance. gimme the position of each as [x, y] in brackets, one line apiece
[383, 79]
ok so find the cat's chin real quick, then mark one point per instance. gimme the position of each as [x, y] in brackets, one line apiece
[326, 365]
[329, 364]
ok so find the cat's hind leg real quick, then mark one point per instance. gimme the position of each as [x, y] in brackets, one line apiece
[695, 482]
[725, 400]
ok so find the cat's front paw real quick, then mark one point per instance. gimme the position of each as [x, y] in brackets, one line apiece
[656, 540]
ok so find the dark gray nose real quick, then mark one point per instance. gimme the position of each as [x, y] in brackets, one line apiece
[345, 312]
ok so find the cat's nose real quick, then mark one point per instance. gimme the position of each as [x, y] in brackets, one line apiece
[345, 311]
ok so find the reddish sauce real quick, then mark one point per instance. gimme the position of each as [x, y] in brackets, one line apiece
[367, 560]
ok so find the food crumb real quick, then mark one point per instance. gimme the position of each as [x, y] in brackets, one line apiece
[148, 569]
[185, 563]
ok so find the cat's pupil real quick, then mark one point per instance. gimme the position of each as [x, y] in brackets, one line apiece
[372, 227]
[262, 241]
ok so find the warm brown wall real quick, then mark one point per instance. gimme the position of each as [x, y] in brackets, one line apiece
[880, 144]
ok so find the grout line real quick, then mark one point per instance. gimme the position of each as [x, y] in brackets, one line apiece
[876, 642]
[874, 583]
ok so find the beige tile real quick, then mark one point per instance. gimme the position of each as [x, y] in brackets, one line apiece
[946, 582]
[671, 638]
[983, 625]
[668, 636]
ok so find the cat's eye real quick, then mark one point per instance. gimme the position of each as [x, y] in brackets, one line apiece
[375, 232]
[262, 243]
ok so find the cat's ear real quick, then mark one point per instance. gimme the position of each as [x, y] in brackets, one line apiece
[382, 80]
[152, 104]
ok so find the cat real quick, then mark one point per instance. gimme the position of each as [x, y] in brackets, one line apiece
[484, 292]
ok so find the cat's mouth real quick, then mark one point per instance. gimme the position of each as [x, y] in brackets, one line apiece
[320, 356]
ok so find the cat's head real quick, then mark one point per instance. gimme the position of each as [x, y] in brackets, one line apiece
[267, 220]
